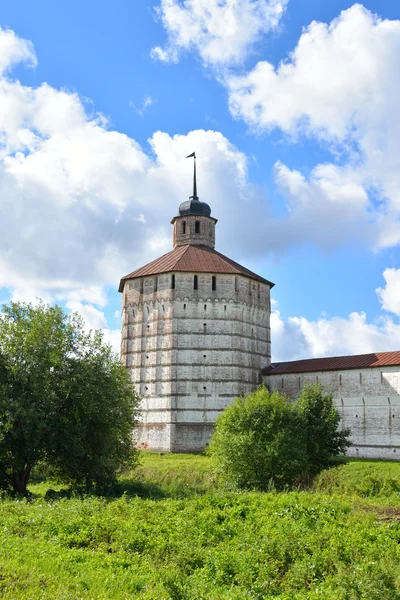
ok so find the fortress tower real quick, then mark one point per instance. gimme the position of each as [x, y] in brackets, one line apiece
[195, 333]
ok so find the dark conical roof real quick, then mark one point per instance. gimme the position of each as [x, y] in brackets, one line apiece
[193, 206]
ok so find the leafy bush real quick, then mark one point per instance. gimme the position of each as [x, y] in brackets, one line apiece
[263, 440]
[258, 441]
[320, 427]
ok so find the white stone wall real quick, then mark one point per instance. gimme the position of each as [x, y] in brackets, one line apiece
[368, 401]
[190, 352]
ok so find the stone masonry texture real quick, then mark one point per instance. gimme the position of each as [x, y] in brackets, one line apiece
[368, 401]
[190, 352]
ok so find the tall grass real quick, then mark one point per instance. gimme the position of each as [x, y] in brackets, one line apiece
[174, 534]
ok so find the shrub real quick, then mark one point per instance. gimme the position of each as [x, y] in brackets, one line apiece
[258, 441]
[320, 426]
[264, 440]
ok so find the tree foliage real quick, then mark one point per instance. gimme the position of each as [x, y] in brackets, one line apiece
[64, 398]
[263, 438]
[320, 426]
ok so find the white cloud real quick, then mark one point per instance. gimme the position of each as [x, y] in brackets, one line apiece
[389, 296]
[341, 86]
[143, 106]
[337, 77]
[95, 319]
[328, 208]
[222, 32]
[297, 337]
[113, 337]
[14, 49]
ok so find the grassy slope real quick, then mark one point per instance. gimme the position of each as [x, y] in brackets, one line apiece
[182, 537]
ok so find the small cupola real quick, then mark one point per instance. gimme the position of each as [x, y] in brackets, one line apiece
[194, 225]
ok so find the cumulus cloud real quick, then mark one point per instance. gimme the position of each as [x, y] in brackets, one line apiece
[13, 50]
[340, 86]
[334, 80]
[222, 32]
[328, 208]
[96, 319]
[297, 337]
[389, 296]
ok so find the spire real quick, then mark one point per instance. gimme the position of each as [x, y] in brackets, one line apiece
[195, 196]
[193, 206]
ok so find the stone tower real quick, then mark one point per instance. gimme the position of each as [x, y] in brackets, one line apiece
[195, 333]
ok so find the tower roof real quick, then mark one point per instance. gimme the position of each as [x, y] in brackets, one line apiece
[194, 206]
[193, 259]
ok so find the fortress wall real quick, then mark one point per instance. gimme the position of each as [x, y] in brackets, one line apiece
[368, 401]
[190, 352]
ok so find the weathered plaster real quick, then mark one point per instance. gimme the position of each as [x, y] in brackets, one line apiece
[190, 352]
[368, 401]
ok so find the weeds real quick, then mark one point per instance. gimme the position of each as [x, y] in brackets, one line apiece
[169, 532]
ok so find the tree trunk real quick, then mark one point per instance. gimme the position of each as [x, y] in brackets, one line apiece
[20, 480]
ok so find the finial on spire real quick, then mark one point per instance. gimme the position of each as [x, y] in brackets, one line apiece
[193, 155]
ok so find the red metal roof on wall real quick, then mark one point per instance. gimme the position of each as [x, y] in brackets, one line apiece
[335, 363]
[195, 259]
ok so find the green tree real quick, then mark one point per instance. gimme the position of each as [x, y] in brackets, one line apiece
[320, 426]
[64, 398]
[263, 438]
[258, 439]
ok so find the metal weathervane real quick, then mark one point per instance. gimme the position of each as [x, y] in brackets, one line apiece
[193, 155]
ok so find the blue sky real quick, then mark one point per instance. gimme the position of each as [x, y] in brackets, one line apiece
[292, 109]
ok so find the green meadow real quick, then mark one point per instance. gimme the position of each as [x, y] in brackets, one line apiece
[169, 531]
